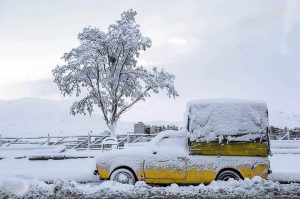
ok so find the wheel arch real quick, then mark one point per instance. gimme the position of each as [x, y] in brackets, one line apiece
[125, 167]
[229, 169]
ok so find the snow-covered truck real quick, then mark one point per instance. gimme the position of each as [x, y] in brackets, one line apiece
[222, 139]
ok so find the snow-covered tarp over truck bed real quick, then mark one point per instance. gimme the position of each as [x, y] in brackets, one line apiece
[230, 119]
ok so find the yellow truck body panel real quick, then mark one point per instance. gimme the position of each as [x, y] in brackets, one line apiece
[191, 176]
[260, 149]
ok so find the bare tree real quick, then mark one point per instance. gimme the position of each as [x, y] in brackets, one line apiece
[103, 71]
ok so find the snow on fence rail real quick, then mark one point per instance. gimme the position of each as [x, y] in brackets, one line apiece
[76, 141]
[285, 146]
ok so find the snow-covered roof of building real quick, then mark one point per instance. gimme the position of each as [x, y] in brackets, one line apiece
[212, 118]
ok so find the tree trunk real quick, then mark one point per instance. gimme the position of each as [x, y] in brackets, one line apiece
[112, 128]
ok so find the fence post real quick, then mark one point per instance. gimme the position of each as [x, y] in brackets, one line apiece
[287, 131]
[48, 139]
[128, 138]
[89, 140]
[0, 140]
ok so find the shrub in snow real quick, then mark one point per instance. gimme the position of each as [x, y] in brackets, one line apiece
[104, 69]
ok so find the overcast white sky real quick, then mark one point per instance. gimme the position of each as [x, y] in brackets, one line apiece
[237, 49]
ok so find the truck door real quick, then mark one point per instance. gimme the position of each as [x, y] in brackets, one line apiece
[167, 163]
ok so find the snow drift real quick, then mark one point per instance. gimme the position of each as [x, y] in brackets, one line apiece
[254, 188]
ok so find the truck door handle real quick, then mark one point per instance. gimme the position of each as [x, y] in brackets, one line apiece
[181, 158]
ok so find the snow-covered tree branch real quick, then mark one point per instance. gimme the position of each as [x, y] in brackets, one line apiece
[105, 67]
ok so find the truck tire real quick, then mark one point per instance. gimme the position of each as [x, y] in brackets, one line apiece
[227, 174]
[123, 176]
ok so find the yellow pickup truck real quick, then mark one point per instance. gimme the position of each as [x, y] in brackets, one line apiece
[188, 156]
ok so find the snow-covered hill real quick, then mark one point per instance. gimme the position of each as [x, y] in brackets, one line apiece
[282, 119]
[38, 117]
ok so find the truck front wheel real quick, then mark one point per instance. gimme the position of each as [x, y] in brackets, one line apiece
[227, 174]
[123, 176]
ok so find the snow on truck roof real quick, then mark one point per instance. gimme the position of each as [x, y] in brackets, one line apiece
[226, 117]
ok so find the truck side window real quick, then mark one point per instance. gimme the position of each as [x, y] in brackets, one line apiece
[172, 144]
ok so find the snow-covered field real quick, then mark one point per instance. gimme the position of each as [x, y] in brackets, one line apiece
[74, 178]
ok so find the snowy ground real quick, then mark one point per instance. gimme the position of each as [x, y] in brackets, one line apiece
[254, 188]
[25, 178]
[73, 178]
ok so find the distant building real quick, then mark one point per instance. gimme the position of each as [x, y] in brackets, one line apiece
[295, 133]
[172, 127]
[141, 128]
